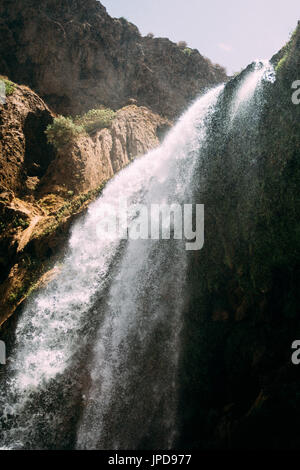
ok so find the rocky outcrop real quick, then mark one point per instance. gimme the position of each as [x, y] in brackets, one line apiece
[25, 154]
[77, 57]
[43, 190]
[90, 161]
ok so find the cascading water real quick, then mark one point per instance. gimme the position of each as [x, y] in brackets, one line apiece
[250, 85]
[95, 357]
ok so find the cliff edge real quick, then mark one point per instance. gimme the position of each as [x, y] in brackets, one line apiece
[76, 57]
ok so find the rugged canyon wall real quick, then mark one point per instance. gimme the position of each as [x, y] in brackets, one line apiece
[239, 386]
[88, 162]
[42, 189]
[77, 57]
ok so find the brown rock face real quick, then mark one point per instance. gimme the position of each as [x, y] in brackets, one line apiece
[77, 57]
[42, 191]
[90, 161]
[25, 154]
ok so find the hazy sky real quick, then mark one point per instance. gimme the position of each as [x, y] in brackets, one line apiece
[232, 33]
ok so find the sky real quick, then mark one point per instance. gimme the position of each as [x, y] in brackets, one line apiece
[232, 33]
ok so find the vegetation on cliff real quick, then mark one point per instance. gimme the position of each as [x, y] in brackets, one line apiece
[65, 130]
[96, 119]
[62, 131]
[9, 85]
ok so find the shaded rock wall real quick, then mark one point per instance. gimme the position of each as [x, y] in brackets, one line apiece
[77, 57]
[239, 386]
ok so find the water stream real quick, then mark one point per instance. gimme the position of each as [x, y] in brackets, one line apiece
[94, 364]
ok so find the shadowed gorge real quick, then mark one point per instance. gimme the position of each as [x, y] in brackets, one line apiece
[121, 342]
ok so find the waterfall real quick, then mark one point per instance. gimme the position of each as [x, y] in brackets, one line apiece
[95, 358]
[250, 85]
[94, 363]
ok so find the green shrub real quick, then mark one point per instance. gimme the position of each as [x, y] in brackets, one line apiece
[62, 131]
[9, 86]
[17, 295]
[95, 119]
[187, 51]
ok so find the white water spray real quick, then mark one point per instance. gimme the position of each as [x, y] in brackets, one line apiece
[127, 301]
[250, 85]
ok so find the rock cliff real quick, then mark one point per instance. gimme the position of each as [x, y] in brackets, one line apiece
[240, 389]
[77, 57]
[89, 162]
[238, 386]
[42, 190]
